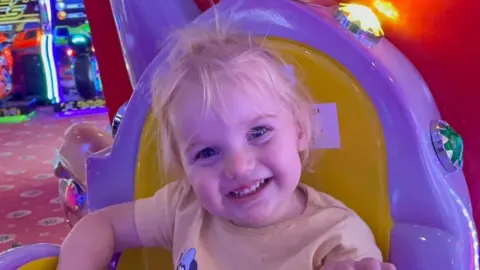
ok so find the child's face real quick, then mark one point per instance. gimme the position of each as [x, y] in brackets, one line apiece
[243, 166]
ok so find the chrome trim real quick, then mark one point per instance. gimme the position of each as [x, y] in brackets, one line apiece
[117, 120]
[354, 28]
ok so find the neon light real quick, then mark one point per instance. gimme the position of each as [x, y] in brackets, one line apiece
[47, 55]
[16, 119]
[79, 39]
[45, 64]
[82, 112]
[53, 69]
[49, 12]
[20, 21]
[13, 11]
[386, 8]
[52, 65]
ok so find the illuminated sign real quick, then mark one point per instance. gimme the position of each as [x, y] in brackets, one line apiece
[75, 6]
[76, 15]
[80, 105]
[70, 13]
[18, 11]
[10, 112]
[6, 28]
[17, 110]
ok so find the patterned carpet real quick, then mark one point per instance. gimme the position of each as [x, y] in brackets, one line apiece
[29, 205]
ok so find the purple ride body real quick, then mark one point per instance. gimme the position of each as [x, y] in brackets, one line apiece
[430, 208]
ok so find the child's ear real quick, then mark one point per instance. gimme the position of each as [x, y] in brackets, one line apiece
[303, 140]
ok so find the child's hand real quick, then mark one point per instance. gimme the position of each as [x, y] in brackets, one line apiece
[365, 264]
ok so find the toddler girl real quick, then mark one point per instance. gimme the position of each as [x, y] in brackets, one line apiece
[235, 127]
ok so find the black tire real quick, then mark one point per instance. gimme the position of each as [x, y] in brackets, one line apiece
[34, 83]
[84, 76]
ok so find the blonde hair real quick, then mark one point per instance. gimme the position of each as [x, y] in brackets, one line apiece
[208, 54]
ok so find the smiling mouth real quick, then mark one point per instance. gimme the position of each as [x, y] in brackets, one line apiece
[251, 190]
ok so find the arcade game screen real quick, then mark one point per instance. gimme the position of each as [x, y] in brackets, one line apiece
[78, 76]
[47, 57]
[21, 74]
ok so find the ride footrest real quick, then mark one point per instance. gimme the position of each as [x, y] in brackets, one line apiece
[80, 106]
[17, 111]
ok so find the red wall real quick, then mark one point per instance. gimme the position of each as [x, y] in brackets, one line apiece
[442, 40]
[116, 83]
[205, 4]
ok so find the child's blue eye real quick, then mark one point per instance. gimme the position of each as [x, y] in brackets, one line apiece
[206, 153]
[258, 132]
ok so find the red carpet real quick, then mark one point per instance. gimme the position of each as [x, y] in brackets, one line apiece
[29, 206]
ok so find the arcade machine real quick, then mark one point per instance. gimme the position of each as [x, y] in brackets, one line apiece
[25, 77]
[80, 87]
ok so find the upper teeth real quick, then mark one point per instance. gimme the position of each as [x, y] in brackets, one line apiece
[249, 190]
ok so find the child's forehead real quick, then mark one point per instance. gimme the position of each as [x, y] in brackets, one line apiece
[192, 114]
[237, 108]
[226, 96]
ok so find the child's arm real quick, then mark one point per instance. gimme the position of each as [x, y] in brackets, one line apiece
[96, 237]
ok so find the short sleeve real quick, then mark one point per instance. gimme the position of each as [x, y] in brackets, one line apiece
[155, 216]
[354, 241]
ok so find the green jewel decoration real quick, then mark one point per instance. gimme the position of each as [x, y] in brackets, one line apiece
[453, 144]
[448, 145]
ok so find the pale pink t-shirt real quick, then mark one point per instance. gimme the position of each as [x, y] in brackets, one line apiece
[327, 230]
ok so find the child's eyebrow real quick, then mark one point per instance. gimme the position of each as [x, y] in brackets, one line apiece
[260, 117]
[192, 143]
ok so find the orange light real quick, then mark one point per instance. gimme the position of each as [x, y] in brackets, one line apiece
[364, 17]
[69, 52]
[62, 15]
[386, 8]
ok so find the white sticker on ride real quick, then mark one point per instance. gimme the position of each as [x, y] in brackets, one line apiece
[326, 119]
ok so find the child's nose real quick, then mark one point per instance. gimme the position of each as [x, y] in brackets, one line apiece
[239, 164]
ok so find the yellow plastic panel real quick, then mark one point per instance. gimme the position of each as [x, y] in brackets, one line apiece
[148, 181]
[357, 172]
[49, 263]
